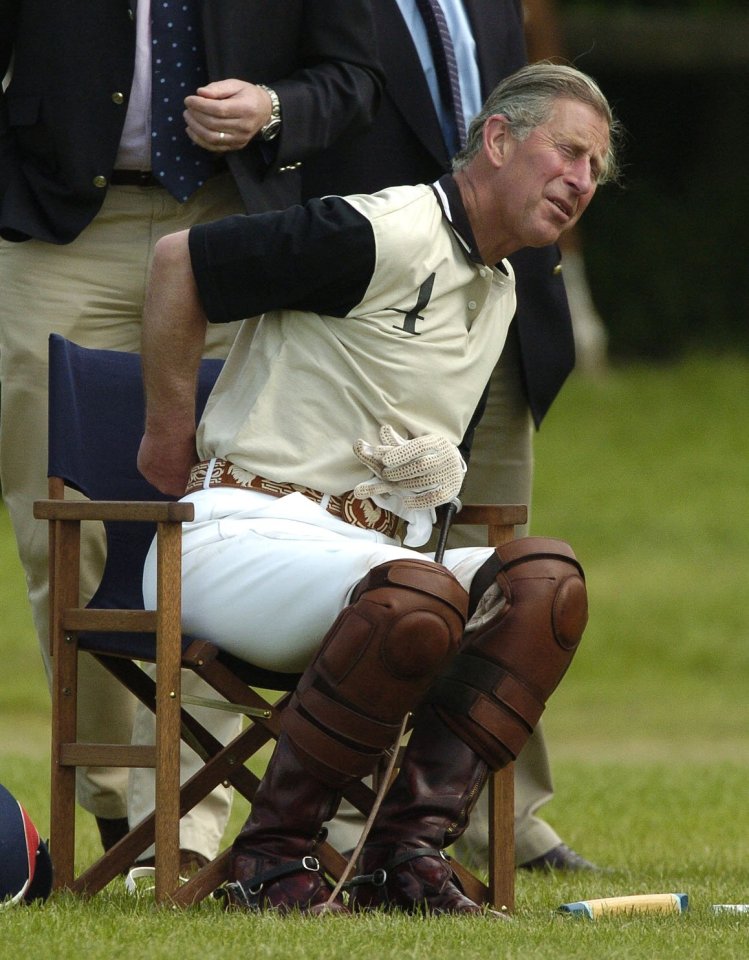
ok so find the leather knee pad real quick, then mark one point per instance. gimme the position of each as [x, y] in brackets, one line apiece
[376, 663]
[495, 690]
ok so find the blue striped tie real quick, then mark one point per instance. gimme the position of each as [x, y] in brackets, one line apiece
[178, 70]
[445, 63]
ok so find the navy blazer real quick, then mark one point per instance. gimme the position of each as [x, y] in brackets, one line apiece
[61, 117]
[405, 145]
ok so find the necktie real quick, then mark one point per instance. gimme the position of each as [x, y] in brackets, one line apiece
[178, 70]
[444, 61]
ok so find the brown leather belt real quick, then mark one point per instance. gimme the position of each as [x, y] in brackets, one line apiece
[360, 513]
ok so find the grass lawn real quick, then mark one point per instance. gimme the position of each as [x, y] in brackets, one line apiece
[646, 473]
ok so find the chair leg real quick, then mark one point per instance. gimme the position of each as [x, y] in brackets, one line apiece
[502, 795]
[502, 839]
[64, 648]
[168, 717]
[501, 887]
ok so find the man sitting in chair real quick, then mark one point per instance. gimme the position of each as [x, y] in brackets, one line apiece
[331, 431]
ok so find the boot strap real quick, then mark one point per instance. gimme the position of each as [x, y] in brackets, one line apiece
[245, 890]
[379, 877]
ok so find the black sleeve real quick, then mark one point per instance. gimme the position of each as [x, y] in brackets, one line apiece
[336, 90]
[318, 257]
[9, 14]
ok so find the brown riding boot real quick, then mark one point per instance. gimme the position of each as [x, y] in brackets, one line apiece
[376, 662]
[273, 866]
[403, 865]
[527, 614]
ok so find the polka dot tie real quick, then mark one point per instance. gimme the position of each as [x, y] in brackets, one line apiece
[178, 70]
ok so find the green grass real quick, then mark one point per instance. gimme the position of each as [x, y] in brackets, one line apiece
[646, 473]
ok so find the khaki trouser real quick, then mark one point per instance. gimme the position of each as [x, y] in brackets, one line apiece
[91, 291]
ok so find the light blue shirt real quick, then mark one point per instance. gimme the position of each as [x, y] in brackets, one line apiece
[465, 54]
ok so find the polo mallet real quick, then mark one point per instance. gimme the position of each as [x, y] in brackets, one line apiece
[449, 512]
[627, 906]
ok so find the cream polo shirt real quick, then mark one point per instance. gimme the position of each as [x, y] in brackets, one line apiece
[387, 315]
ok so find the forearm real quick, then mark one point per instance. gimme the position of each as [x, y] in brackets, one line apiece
[320, 106]
[334, 90]
[173, 339]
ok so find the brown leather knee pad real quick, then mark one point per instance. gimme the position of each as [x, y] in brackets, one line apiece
[377, 661]
[495, 690]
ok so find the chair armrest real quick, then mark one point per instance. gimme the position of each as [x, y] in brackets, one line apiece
[152, 511]
[494, 514]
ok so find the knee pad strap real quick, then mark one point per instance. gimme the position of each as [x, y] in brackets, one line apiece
[495, 700]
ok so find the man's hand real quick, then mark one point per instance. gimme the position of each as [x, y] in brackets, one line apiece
[426, 471]
[226, 114]
[166, 462]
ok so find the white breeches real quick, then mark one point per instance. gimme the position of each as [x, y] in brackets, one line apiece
[264, 577]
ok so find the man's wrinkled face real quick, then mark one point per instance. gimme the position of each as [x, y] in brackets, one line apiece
[549, 178]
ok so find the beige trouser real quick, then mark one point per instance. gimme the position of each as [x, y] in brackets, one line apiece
[91, 291]
[501, 471]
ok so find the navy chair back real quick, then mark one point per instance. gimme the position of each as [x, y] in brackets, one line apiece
[96, 416]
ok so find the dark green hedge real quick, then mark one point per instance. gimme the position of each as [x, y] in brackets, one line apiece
[668, 253]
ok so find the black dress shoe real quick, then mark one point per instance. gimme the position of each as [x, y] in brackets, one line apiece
[560, 857]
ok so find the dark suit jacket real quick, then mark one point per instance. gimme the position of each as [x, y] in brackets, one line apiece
[405, 145]
[62, 115]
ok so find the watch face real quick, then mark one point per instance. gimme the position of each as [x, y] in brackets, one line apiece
[271, 129]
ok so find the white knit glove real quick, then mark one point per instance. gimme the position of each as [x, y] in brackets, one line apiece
[426, 471]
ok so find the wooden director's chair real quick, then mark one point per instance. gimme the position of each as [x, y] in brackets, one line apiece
[96, 416]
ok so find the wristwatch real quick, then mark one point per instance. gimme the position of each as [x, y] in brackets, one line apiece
[273, 126]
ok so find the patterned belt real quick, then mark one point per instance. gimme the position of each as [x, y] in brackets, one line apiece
[360, 513]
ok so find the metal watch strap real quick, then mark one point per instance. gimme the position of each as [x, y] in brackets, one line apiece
[271, 129]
